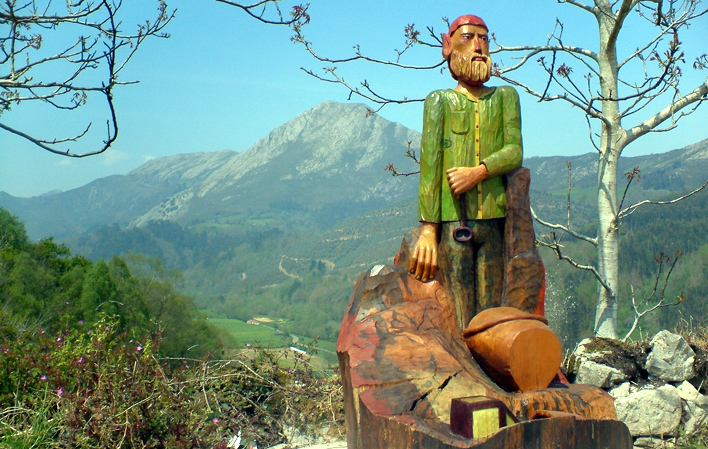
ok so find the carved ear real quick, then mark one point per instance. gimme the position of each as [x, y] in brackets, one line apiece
[446, 46]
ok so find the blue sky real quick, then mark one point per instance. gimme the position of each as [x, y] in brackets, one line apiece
[224, 80]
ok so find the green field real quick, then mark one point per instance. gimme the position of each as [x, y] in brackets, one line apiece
[245, 333]
[267, 336]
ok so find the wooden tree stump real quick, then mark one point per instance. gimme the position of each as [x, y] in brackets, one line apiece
[524, 273]
[403, 360]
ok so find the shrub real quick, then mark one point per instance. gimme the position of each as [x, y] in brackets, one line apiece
[96, 388]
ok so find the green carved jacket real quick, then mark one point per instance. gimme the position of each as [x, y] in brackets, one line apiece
[460, 132]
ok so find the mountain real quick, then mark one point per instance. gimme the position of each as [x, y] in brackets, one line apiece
[673, 171]
[322, 167]
[114, 199]
[284, 227]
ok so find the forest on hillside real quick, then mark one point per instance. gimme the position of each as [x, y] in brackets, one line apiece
[652, 239]
[43, 287]
[306, 278]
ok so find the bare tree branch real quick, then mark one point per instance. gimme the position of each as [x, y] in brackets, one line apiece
[368, 93]
[661, 300]
[631, 209]
[260, 9]
[65, 78]
[579, 4]
[619, 19]
[563, 228]
[698, 94]
[410, 153]
[359, 56]
[554, 243]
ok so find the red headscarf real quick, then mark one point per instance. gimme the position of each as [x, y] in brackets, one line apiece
[467, 19]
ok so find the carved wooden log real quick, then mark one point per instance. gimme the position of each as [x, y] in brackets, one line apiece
[518, 350]
[403, 360]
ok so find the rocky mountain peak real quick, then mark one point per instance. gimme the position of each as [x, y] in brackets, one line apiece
[192, 166]
[325, 139]
[320, 153]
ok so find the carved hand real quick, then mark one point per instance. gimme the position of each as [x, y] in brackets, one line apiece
[424, 260]
[462, 179]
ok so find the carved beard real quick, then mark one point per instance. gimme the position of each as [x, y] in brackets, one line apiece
[465, 68]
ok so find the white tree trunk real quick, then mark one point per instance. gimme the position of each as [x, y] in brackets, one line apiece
[611, 144]
[607, 249]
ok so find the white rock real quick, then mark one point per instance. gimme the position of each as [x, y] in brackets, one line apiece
[622, 390]
[597, 374]
[695, 407]
[671, 358]
[651, 411]
[581, 349]
[580, 353]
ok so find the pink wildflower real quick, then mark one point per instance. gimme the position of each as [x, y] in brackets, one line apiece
[215, 420]
[139, 348]
[44, 377]
[60, 391]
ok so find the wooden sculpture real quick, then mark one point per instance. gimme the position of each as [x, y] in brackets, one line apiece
[448, 348]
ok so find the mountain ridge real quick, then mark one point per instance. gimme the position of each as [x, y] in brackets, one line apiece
[323, 166]
[318, 169]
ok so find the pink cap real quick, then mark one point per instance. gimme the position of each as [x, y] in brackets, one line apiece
[467, 19]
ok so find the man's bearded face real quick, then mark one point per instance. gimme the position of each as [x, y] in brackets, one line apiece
[474, 69]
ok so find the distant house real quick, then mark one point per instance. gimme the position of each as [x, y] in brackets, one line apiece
[254, 322]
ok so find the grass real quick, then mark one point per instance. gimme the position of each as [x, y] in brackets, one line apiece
[267, 336]
[251, 334]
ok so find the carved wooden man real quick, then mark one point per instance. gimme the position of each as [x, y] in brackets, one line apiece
[471, 138]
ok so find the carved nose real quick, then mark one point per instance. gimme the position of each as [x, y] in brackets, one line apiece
[477, 45]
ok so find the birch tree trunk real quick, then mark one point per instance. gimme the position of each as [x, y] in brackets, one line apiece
[610, 139]
[607, 248]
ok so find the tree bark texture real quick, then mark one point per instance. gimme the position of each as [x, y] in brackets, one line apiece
[403, 360]
[610, 150]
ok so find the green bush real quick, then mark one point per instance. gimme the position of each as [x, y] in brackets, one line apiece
[94, 387]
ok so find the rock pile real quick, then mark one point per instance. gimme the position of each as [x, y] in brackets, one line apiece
[657, 385]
